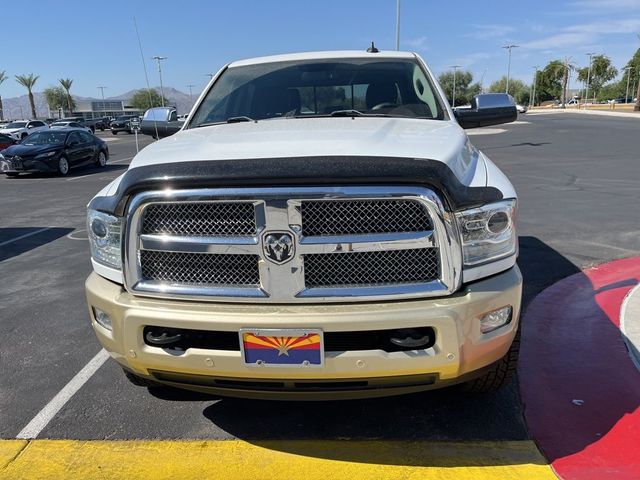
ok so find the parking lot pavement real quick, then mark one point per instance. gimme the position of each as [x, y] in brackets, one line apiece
[577, 181]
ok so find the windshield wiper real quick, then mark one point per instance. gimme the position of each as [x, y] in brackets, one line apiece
[239, 119]
[346, 113]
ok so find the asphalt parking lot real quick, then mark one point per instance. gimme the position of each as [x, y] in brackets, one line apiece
[577, 178]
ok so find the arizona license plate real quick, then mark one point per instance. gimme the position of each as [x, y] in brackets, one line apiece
[282, 348]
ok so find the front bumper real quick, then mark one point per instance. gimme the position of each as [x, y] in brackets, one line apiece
[460, 352]
[29, 165]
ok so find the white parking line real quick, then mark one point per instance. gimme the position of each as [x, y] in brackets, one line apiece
[35, 232]
[50, 410]
[78, 178]
[121, 160]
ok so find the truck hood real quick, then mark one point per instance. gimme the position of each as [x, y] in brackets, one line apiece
[439, 140]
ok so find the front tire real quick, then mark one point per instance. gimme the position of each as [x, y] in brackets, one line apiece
[500, 373]
[63, 166]
[114, 132]
[23, 136]
[101, 161]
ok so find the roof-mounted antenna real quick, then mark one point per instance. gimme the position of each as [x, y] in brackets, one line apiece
[372, 49]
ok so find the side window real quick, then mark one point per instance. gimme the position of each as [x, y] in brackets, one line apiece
[37, 124]
[174, 116]
[86, 137]
[74, 137]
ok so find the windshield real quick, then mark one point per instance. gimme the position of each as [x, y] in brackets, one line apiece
[362, 87]
[16, 125]
[45, 138]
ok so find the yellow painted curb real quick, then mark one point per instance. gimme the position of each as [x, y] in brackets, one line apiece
[9, 450]
[304, 460]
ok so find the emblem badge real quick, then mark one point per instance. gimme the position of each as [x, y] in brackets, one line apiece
[278, 247]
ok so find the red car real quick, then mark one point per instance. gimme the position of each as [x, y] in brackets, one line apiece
[6, 141]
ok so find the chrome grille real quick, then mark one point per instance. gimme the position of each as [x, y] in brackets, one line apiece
[200, 219]
[348, 244]
[371, 268]
[358, 217]
[199, 268]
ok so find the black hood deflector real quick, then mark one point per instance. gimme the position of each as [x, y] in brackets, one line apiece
[298, 171]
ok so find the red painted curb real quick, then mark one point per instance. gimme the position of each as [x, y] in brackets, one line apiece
[580, 389]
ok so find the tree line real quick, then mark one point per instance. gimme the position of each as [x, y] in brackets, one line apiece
[551, 82]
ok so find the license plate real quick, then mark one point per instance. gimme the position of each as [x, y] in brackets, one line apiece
[282, 348]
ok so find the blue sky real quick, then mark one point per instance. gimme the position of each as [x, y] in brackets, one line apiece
[95, 42]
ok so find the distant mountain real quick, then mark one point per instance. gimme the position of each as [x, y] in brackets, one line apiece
[12, 106]
[177, 98]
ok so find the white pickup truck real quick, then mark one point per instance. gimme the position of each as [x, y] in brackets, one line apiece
[321, 227]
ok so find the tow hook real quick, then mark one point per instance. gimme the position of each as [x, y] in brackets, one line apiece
[163, 339]
[409, 338]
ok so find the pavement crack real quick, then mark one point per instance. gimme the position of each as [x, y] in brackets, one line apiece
[16, 456]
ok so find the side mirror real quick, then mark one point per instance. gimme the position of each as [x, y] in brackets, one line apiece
[29, 127]
[487, 109]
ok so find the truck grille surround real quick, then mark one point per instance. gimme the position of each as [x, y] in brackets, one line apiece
[291, 245]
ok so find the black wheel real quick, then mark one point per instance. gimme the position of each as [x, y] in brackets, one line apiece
[63, 166]
[101, 159]
[93, 129]
[139, 381]
[12, 174]
[114, 132]
[500, 374]
[23, 136]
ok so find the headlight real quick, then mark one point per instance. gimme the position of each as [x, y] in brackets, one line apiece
[488, 232]
[105, 238]
[46, 155]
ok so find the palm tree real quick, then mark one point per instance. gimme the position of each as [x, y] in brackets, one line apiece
[568, 67]
[28, 81]
[3, 77]
[66, 84]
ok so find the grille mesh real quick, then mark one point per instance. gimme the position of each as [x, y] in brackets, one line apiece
[200, 219]
[358, 217]
[200, 268]
[371, 268]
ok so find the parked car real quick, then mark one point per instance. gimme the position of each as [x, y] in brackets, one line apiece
[67, 124]
[6, 141]
[287, 243]
[54, 150]
[521, 108]
[85, 122]
[123, 124]
[4, 123]
[160, 122]
[20, 129]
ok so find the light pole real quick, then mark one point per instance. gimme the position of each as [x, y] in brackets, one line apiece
[626, 94]
[102, 91]
[190, 91]
[398, 25]
[453, 101]
[159, 59]
[509, 47]
[482, 80]
[586, 93]
[535, 81]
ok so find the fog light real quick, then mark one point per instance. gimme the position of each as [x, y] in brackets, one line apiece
[495, 319]
[103, 319]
